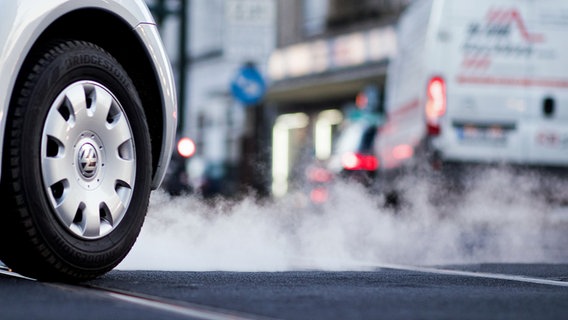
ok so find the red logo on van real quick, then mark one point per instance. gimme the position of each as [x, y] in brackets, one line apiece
[502, 33]
[503, 19]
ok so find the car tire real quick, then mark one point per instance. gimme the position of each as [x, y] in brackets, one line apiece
[77, 165]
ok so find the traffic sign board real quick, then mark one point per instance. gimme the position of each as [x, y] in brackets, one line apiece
[248, 86]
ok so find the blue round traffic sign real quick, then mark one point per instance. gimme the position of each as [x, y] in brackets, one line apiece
[248, 86]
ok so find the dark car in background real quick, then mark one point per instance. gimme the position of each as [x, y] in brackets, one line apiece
[352, 160]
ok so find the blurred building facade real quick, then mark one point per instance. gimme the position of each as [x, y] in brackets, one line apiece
[327, 52]
[221, 36]
[316, 55]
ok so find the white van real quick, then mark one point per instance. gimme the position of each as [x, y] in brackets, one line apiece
[481, 81]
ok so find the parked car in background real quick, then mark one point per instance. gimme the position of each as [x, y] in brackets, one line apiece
[351, 161]
[87, 120]
[353, 157]
[476, 83]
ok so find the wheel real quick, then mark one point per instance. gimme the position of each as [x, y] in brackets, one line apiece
[77, 166]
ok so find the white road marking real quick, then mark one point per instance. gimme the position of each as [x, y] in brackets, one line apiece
[496, 276]
[193, 311]
[202, 312]
[361, 265]
[181, 308]
[8, 272]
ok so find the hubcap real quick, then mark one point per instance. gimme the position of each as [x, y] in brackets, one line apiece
[88, 159]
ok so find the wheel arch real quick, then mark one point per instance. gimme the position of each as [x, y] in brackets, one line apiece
[115, 35]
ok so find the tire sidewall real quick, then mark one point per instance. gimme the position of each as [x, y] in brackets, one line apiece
[67, 66]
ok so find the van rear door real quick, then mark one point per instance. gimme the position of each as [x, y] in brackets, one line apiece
[486, 71]
[547, 104]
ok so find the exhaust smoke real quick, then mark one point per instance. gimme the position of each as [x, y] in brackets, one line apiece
[502, 218]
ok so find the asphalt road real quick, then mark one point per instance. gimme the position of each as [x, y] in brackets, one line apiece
[466, 291]
[485, 291]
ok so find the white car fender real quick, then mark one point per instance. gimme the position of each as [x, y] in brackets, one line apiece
[22, 23]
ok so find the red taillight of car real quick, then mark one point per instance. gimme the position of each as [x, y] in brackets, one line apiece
[402, 152]
[319, 195]
[319, 175]
[186, 147]
[358, 161]
[435, 105]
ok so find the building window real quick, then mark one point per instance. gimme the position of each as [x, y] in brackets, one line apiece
[347, 12]
[315, 16]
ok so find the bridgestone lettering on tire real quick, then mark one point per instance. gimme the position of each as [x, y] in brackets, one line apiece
[77, 169]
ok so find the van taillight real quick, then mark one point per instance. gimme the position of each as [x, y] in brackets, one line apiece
[358, 161]
[436, 104]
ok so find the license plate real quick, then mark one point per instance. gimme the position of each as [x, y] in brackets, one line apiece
[552, 140]
[483, 134]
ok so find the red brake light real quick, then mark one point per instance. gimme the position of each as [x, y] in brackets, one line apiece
[361, 100]
[186, 147]
[319, 195]
[436, 104]
[403, 151]
[357, 161]
[319, 175]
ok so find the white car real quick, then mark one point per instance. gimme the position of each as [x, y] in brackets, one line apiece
[87, 119]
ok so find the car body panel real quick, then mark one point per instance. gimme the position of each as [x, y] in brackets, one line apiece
[162, 67]
[22, 22]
